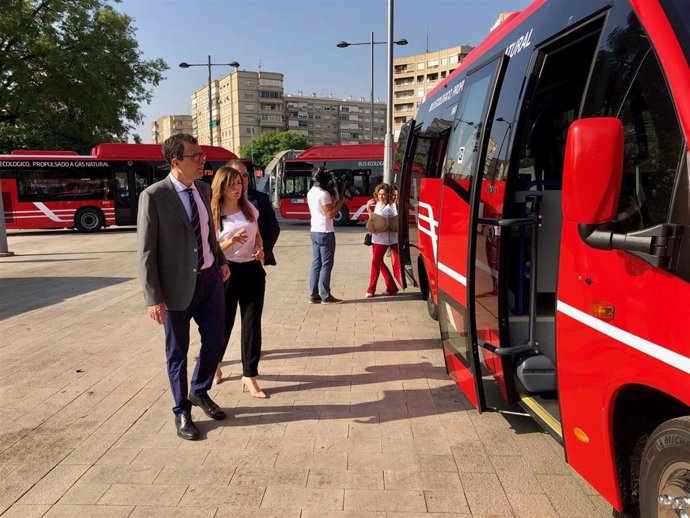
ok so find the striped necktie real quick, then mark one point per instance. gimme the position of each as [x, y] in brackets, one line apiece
[196, 225]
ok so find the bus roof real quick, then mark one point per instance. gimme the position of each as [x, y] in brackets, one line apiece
[33, 152]
[351, 152]
[151, 152]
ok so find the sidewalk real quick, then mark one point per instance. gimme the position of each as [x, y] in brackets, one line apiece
[362, 420]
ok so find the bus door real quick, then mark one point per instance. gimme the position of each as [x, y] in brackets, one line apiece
[458, 281]
[401, 158]
[129, 182]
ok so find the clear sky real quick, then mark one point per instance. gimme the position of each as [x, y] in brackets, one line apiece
[297, 38]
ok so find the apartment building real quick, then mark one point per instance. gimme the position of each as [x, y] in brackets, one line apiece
[167, 125]
[329, 120]
[414, 76]
[244, 104]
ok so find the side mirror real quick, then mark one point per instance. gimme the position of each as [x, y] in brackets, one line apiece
[593, 170]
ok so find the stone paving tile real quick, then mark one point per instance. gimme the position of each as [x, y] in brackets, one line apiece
[422, 480]
[231, 512]
[345, 479]
[211, 475]
[142, 494]
[26, 511]
[285, 497]
[383, 461]
[121, 474]
[51, 487]
[316, 459]
[95, 511]
[244, 497]
[532, 506]
[177, 457]
[471, 457]
[251, 458]
[384, 500]
[82, 493]
[565, 494]
[485, 495]
[341, 514]
[446, 502]
[257, 477]
[115, 456]
[145, 511]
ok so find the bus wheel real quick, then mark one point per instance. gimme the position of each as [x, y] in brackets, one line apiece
[431, 306]
[342, 218]
[88, 220]
[665, 471]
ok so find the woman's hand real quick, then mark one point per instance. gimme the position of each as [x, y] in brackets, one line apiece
[239, 237]
[258, 253]
[370, 206]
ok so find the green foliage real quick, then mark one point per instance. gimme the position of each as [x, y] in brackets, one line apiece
[265, 146]
[71, 74]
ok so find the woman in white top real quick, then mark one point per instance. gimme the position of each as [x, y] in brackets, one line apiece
[238, 235]
[379, 213]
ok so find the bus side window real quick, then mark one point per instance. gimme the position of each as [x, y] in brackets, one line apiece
[635, 91]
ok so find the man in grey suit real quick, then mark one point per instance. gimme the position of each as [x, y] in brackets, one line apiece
[182, 270]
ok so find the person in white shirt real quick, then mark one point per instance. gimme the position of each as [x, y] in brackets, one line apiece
[381, 239]
[238, 235]
[394, 251]
[322, 209]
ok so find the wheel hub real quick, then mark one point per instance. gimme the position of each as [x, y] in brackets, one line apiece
[674, 492]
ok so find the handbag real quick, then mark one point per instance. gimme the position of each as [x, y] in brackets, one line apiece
[367, 239]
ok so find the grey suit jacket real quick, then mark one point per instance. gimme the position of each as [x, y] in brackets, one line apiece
[167, 246]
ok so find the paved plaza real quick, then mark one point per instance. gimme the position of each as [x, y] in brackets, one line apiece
[362, 420]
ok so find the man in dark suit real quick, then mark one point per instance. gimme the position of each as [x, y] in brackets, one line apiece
[269, 228]
[182, 271]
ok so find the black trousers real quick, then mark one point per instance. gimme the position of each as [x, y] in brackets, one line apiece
[246, 288]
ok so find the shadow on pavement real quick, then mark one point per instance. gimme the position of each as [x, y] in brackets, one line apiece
[19, 295]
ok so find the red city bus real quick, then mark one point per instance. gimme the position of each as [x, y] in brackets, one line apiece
[61, 189]
[544, 213]
[363, 163]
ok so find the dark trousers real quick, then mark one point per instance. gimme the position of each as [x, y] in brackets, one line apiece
[246, 288]
[206, 309]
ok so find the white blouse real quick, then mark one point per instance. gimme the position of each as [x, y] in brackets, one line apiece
[384, 238]
[233, 223]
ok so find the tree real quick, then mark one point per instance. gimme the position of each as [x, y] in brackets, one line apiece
[264, 147]
[71, 74]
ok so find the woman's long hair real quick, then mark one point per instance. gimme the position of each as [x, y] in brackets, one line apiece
[221, 179]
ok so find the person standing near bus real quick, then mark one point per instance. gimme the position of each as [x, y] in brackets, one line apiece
[322, 210]
[379, 212]
[182, 270]
[238, 234]
[269, 228]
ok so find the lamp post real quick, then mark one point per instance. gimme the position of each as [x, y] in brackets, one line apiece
[210, 98]
[371, 43]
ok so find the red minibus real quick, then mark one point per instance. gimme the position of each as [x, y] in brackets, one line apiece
[362, 163]
[61, 189]
[544, 212]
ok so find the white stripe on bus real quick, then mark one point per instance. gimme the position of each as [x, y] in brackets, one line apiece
[452, 273]
[662, 354]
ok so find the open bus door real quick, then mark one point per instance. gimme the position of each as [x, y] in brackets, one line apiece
[457, 264]
[402, 179]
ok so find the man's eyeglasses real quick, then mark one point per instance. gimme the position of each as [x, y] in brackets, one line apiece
[197, 157]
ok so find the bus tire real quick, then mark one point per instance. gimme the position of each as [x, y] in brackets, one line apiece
[88, 220]
[431, 306]
[342, 218]
[665, 469]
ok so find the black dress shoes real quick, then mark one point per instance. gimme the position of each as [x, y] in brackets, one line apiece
[186, 429]
[208, 406]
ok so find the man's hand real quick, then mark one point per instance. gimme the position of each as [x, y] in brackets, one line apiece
[157, 312]
[258, 253]
[225, 272]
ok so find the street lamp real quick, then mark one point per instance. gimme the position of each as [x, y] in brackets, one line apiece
[371, 43]
[210, 99]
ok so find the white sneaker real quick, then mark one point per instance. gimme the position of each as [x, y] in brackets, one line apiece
[369, 295]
